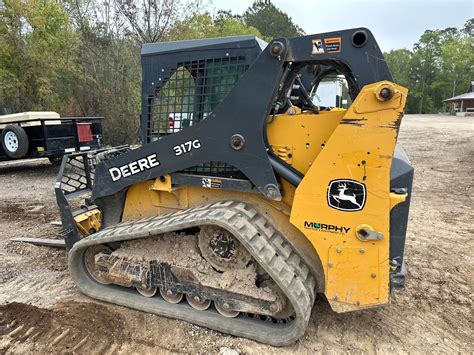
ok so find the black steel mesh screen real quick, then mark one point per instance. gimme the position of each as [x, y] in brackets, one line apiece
[78, 175]
[193, 90]
[191, 93]
[79, 170]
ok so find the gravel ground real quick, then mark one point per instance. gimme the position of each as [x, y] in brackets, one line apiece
[42, 311]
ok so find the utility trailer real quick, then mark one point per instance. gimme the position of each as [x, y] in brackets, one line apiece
[47, 135]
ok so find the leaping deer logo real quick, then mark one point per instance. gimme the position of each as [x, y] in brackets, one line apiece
[343, 197]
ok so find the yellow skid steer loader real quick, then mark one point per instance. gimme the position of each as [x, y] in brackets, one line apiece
[246, 198]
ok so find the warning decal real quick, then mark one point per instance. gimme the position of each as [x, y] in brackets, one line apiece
[317, 46]
[211, 183]
[333, 45]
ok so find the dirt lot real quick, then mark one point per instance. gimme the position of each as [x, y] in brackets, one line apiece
[41, 310]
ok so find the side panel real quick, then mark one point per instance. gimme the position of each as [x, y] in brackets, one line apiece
[348, 188]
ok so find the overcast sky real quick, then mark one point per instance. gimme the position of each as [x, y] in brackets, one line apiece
[395, 23]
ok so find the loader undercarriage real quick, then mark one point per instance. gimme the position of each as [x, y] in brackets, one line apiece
[269, 298]
[173, 265]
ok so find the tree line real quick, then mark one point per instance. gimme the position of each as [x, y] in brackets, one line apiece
[440, 66]
[82, 57]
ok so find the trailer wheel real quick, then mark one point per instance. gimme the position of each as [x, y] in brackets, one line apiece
[15, 141]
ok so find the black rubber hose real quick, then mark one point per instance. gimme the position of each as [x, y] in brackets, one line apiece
[284, 170]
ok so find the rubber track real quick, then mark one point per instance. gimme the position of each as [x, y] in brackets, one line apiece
[268, 247]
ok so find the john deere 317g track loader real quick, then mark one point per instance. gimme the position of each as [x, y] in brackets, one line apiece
[246, 199]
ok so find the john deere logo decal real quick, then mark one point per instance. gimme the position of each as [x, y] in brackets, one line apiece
[346, 195]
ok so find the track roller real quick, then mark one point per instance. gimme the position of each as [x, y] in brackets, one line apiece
[170, 296]
[91, 267]
[147, 292]
[225, 310]
[198, 302]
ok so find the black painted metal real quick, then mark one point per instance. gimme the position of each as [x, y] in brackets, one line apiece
[75, 179]
[286, 172]
[365, 64]
[70, 233]
[178, 78]
[243, 111]
[401, 177]
[55, 243]
[220, 183]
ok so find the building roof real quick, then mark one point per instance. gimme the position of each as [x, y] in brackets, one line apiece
[466, 96]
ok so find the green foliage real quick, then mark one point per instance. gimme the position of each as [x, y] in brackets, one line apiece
[469, 27]
[270, 20]
[457, 58]
[82, 58]
[438, 67]
[205, 26]
[398, 60]
[37, 52]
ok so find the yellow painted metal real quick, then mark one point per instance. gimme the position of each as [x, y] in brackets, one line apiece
[88, 222]
[163, 183]
[284, 152]
[149, 198]
[145, 201]
[361, 282]
[304, 135]
[395, 199]
[361, 149]
[356, 144]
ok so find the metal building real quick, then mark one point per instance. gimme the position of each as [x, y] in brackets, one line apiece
[462, 105]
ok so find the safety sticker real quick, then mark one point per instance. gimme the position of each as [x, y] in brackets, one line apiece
[211, 183]
[333, 45]
[317, 46]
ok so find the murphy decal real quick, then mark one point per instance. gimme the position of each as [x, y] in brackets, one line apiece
[323, 227]
[135, 167]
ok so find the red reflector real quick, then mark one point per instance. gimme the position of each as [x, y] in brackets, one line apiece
[84, 132]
